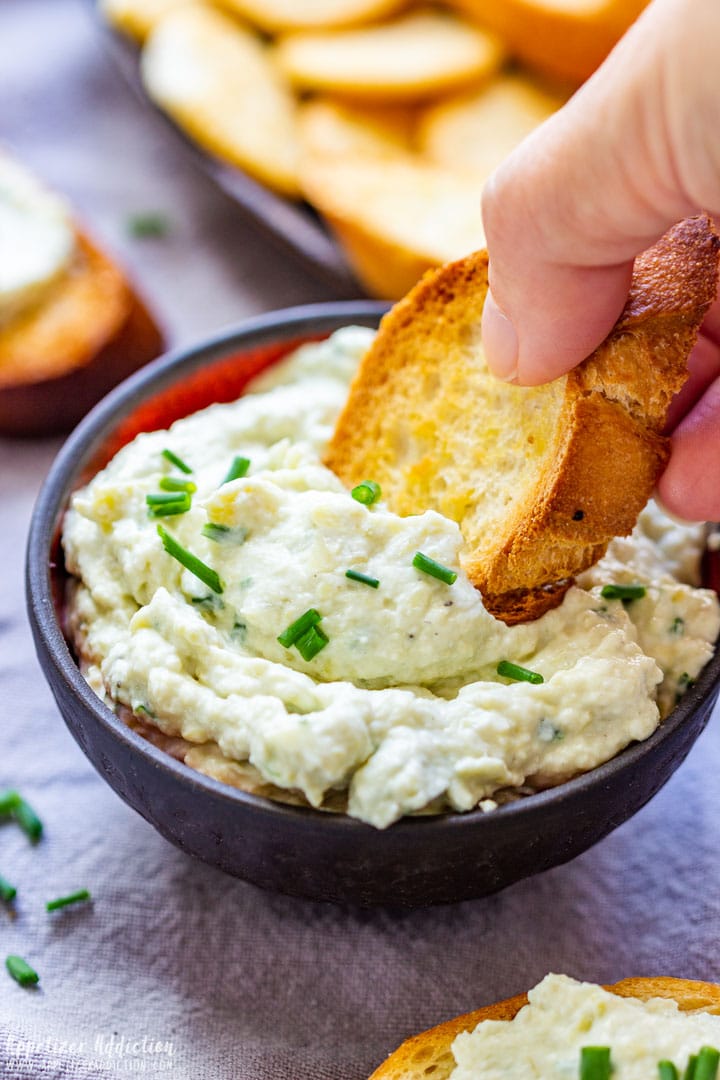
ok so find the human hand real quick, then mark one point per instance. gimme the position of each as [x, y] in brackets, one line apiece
[634, 151]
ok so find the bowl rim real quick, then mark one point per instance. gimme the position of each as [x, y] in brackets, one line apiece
[93, 431]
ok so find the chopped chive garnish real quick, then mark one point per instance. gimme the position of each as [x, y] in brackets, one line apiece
[622, 592]
[689, 1073]
[150, 224]
[65, 901]
[684, 681]
[677, 627]
[434, 569]
[8, 801]
[21, 971]
[296, 629]
[7, 891]
[311, 642]
[366, 493]
[171, 509]
[667, 1071]
[364, 579]
[28, 820]
[169, 499]
[176, 483]
[224, 534]
[707, 1064]
[508, 670]
[595, 1063]
[175, 460]
[238, 469]
[208, 603]
[191, 562]
[218, 533]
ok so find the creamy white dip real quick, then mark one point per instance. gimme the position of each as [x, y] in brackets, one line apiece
[546, 1037]
[403, 707]
[37, 239]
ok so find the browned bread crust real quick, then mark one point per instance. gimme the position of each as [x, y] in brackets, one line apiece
[60, 357]
[539, 479]
[428, 1056]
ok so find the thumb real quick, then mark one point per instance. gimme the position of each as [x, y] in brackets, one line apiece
[631, 153]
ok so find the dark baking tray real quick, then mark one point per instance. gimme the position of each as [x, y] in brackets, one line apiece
[292, 227]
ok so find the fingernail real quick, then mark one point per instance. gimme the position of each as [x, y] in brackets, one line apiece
[500, 342]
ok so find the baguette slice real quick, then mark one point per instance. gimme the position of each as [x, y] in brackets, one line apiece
[565, 39]
[539, 479]
[477, 131]
[62, 355]
[413, 57]
[217, 80]
[329, 128]
[397, 216]
[281, 16]
[429, 1054]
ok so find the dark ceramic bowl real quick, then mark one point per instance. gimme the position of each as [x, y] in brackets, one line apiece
[417, 861]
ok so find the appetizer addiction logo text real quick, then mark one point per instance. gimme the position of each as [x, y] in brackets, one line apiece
[112, 1053]
[134, 1055]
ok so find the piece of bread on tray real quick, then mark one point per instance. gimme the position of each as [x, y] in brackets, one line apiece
[217, 79]
[429, 1054]
[565, 39]
[396, 216]
[478, 130]
[539, 479]
[333, 129]
[418, 55]
[280, 16]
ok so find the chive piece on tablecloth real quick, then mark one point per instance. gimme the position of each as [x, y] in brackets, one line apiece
[28, 820]
[149, 224]
[8, 892]
[8, 801]
[65, 901]
[21, 971]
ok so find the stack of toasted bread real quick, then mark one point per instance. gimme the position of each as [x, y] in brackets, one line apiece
[386, 115]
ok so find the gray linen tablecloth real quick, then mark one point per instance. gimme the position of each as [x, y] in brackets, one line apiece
[177, 969]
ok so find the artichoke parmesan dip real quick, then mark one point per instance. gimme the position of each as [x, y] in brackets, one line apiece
[546, 1037]
[397, 703]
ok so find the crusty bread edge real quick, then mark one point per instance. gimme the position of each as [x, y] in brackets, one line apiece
[432, 1048]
